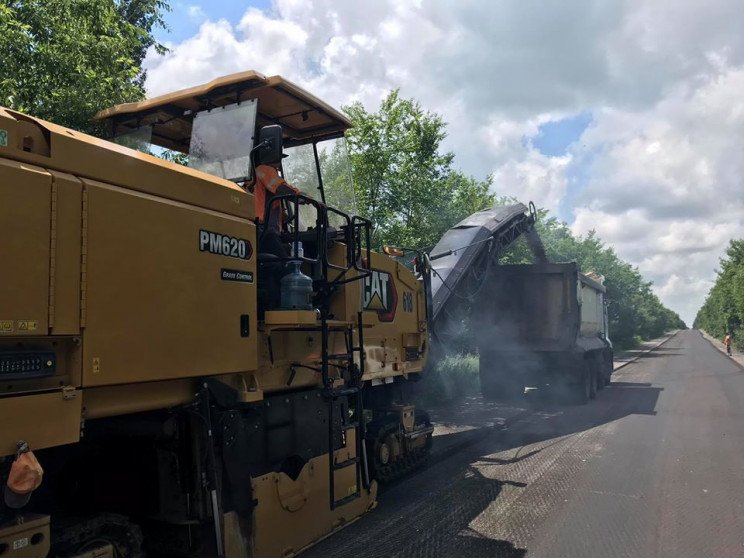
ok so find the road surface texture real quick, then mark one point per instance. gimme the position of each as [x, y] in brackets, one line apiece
[632, 355]
[653, 467]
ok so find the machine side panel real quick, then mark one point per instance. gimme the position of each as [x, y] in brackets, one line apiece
[25, 223]
[56, 420]
[160, 302]
[96, 159]
[394, 338]
[64, 303]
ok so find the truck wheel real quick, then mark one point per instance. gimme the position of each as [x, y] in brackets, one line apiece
[599, 372]
[593, 377]
[609, 367]
[583, 390]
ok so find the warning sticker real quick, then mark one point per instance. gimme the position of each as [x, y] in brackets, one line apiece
[27, 325]
[3, 138]
[6, 326]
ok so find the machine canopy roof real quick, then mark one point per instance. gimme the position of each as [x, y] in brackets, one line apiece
[303, 117]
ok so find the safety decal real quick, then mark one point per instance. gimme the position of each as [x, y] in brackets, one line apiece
[6, 326]
[224, 245]
[27, 325]
[379, 295]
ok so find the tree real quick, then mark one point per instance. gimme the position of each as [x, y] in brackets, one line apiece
[723, 309]
[64, 60]
[402, 182]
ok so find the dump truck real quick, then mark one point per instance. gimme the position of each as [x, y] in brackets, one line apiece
[543, 325]
[185, 391]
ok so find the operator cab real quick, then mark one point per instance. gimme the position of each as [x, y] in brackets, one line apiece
[230, 125]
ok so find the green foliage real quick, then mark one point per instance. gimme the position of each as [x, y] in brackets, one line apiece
[402, 182]
[299, 169]
[64, 60]
[173, 156]
[634, 311]
[723, 309]
[452, 378]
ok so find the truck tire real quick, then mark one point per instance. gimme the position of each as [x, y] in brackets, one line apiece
[599, 370]
[593, 376]
[608, 366]
[582, 391]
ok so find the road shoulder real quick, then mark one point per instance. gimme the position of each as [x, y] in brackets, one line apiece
[738, 358]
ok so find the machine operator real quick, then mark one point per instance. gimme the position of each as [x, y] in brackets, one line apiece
[268, 184]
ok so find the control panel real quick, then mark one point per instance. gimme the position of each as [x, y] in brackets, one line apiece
[19, 365]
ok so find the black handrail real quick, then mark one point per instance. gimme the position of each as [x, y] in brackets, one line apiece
[356, 232]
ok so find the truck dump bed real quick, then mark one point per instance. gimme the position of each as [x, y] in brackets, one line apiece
[540, 307]
[540, 323]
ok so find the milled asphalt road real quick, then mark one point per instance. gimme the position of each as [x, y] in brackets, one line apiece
[653, 467]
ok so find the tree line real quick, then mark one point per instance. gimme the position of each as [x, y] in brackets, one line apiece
[64, 60]
[723, 309]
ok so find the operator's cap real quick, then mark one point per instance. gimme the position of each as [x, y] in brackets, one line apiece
[25, 477]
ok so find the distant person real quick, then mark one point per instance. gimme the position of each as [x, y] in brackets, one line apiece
[727, 341]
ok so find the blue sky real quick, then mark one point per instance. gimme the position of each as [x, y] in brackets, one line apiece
[184, 18]
[555, 137]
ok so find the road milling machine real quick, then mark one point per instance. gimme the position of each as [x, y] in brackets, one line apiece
[186, 392]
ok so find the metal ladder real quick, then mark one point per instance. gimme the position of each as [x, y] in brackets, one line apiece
[341, 424]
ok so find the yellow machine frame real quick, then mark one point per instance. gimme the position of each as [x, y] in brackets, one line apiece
[121, 340]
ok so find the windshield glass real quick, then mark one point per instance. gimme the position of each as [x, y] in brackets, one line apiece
[300, 171]
[222, 139]
[139, 139]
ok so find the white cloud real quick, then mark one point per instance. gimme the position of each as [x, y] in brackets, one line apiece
[658, 171]
[666, 183]
[196, 13]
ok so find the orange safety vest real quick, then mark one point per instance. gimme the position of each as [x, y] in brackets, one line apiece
[268, 182]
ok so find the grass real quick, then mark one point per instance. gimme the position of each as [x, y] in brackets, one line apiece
[626, 344]
[451, 379]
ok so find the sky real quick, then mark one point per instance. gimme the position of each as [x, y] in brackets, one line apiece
[620, 116]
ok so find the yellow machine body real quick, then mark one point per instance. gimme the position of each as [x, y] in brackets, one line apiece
[114, 316]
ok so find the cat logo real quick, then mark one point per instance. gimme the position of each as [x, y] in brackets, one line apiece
[379, 295]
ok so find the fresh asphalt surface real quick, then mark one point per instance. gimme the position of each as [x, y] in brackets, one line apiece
[653, 467]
